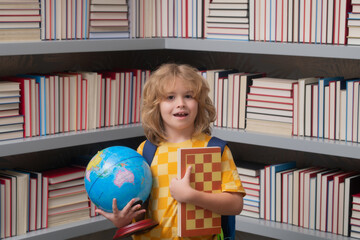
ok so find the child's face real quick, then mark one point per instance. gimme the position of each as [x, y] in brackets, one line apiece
[179, 109]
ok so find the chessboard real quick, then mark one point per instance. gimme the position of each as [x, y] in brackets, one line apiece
[205, 176]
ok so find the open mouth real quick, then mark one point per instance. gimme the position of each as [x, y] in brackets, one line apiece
[180, 114]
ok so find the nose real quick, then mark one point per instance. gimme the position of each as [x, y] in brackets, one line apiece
[180, 102]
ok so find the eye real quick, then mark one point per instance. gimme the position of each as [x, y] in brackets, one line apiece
[170, 97]
[188, 96]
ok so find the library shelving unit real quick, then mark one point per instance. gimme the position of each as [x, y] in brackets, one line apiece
[190, 47]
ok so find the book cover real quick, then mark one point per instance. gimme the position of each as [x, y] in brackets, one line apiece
[205, 176]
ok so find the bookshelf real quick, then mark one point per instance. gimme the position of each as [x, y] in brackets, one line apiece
[111, 45]
[63, 140]
[67, 231]
[304, 144]
[187, 47]
[281, 231]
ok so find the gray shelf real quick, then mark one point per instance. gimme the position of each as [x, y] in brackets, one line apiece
[245, 224]
[67, 231]
[305, 144]
[281, 231]
[269, 48]
[78, 46]
[62, 140]
[251, 47]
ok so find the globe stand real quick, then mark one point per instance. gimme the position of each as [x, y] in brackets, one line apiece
[135, 228]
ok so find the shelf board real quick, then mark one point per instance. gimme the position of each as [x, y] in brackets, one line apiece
[268, 48]
[280, 230]
[66, 231]
[245, 224]
[304, 144]
[78, 46]
[62, 140]
[248, 47]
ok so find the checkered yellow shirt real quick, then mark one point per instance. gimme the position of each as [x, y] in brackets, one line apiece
[162, 207]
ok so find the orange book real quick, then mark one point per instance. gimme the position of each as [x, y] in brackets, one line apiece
[205, 176]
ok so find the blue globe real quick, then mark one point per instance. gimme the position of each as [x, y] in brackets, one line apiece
[117, 172]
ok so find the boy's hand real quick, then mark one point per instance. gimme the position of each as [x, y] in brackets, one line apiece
[121, 218]
[180, 189]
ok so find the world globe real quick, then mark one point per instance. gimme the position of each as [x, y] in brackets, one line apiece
[117, 172]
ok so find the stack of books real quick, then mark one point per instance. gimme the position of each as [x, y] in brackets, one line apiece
[249, 173]
[20, 20]
[64, 196]
[311, 197]
[11, 122]
[228, 20]
[228, 91]
[109, 19]
[270, 106]
[355, 216]
[81, 101]
[353, 24]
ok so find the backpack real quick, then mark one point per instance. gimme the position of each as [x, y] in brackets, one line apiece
[227, 221]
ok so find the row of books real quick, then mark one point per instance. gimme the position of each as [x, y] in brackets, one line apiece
[64, 19]
[160, 18]
[187, 19]
[313, 107]
[84, 19]
[311, 197]
[320, 107]
[63, 102]
[302, 21]
[31, 200]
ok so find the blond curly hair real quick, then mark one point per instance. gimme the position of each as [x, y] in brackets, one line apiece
[155, 90]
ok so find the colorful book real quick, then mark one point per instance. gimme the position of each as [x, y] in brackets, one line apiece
[205, 176]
